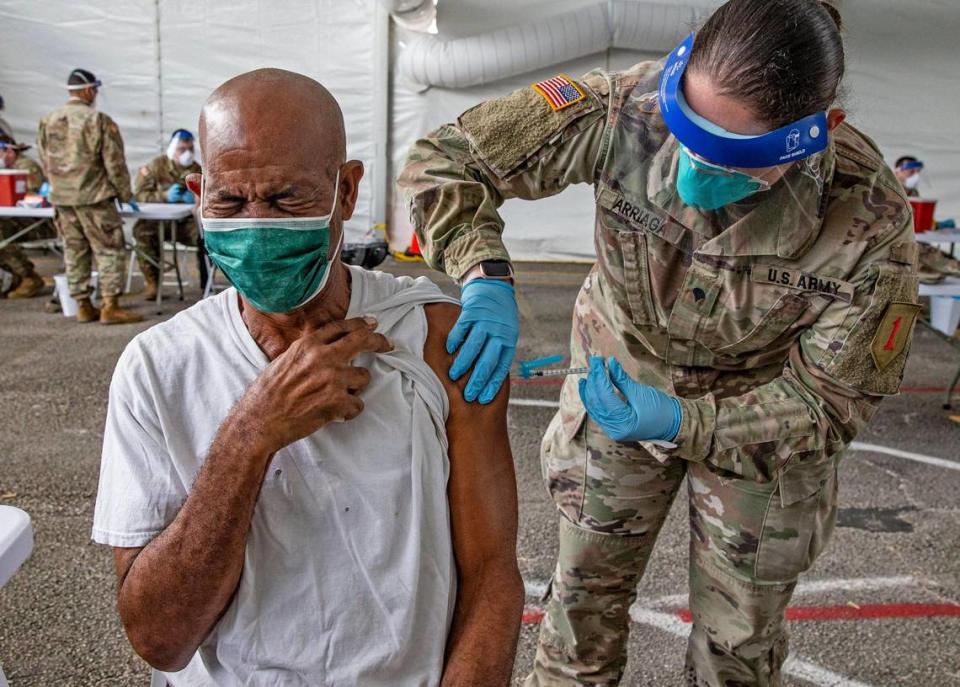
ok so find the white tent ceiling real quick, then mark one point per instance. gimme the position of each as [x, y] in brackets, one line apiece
[160, 58]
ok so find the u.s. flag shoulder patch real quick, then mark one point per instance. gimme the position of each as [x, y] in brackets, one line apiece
[561, 91]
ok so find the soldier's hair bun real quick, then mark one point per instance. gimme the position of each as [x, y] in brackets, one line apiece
[833, 12]
[782, 57]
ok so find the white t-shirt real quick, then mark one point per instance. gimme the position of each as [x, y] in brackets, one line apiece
[348, 576]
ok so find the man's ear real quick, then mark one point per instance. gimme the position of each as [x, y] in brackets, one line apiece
[835, 118]
[350, 175]
[193, 183]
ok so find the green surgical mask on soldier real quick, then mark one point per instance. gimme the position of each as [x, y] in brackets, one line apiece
[706, 186]
[277, 263]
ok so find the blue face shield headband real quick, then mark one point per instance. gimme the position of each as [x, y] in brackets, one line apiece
[803, 138]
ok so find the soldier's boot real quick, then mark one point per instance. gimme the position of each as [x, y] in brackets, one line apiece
[86, 312]
[14, 283]
[29, 287]
[112, 313]
[152, 285]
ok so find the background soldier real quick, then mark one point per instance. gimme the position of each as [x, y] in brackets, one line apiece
[27, 283]
[5, 127]
[753, 301]
[162, 181]
[82, 151]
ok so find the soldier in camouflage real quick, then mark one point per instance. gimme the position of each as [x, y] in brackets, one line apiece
[82, 152]
[27, 283]
[162, 180]
[774, 326]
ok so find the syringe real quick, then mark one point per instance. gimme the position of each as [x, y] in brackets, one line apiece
[561, 372]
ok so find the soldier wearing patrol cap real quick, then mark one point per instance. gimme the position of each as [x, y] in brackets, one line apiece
[27, 283]
[752, 303]
[82, 152]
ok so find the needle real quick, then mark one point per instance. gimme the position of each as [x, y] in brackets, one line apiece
[561, 372]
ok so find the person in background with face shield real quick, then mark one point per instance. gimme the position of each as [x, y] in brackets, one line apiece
[27, 283]
[163, 180]
[753, 301]
[295, 491]
[82, 152]
[907, 170]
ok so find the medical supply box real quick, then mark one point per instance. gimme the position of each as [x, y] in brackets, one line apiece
[13, 186]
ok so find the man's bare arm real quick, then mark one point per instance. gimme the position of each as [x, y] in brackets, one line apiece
[483, 508]
[172, 591]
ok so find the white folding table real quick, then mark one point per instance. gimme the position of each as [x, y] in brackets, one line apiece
[165, 214]
[943, 296]
[16, 543]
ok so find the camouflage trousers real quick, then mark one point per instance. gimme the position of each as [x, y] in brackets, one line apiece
[147, 237]
[12, 257]
[92, 231]
[748, 543]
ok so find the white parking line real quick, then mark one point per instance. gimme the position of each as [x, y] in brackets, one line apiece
[534, 403]
[918, 457]
[855, 584]
[855, 446]
[795, 665]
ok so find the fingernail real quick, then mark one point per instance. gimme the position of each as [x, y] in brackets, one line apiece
[450, 349]
[371, 321]
[486, 397]
[470, 395]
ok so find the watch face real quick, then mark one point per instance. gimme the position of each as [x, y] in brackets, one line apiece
[496, 269]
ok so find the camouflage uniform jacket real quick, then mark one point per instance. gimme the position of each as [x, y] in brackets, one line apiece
[82, 152]
[157, 176]
[36, 178]
[779, 327]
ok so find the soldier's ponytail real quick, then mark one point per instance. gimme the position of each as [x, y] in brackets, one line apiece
[783, 57]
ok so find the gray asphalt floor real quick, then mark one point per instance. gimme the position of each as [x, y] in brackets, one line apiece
[878, 608]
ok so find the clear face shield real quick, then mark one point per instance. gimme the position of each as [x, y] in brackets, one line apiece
[716, 169]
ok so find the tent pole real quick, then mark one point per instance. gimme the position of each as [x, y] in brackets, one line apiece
[381, 115]
[156, 5]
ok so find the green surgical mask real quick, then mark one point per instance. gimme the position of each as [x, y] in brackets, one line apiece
[277, 263]
[706, 186]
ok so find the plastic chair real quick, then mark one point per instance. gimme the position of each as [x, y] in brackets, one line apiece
[16, 544]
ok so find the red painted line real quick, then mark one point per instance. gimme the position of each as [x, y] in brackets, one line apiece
[554, 381]
[532, 615]
[923, 389]
[864, 612]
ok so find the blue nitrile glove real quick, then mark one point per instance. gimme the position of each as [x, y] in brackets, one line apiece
[175, 194]
[947, 224]
[44, 189]
[187, 197]
[488, 329]
[648, 414]
[134, 204]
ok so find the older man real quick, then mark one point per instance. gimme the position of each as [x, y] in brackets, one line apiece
[295, 491]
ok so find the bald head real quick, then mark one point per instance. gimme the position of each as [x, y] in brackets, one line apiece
[272, 140]
[290, 113]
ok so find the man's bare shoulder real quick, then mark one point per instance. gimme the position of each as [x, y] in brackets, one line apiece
[440, 320]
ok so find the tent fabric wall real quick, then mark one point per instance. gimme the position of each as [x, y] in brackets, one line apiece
[160, 59]
[902, 89]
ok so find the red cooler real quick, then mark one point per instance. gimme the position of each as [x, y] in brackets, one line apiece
[13, 186]
[923, 209]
